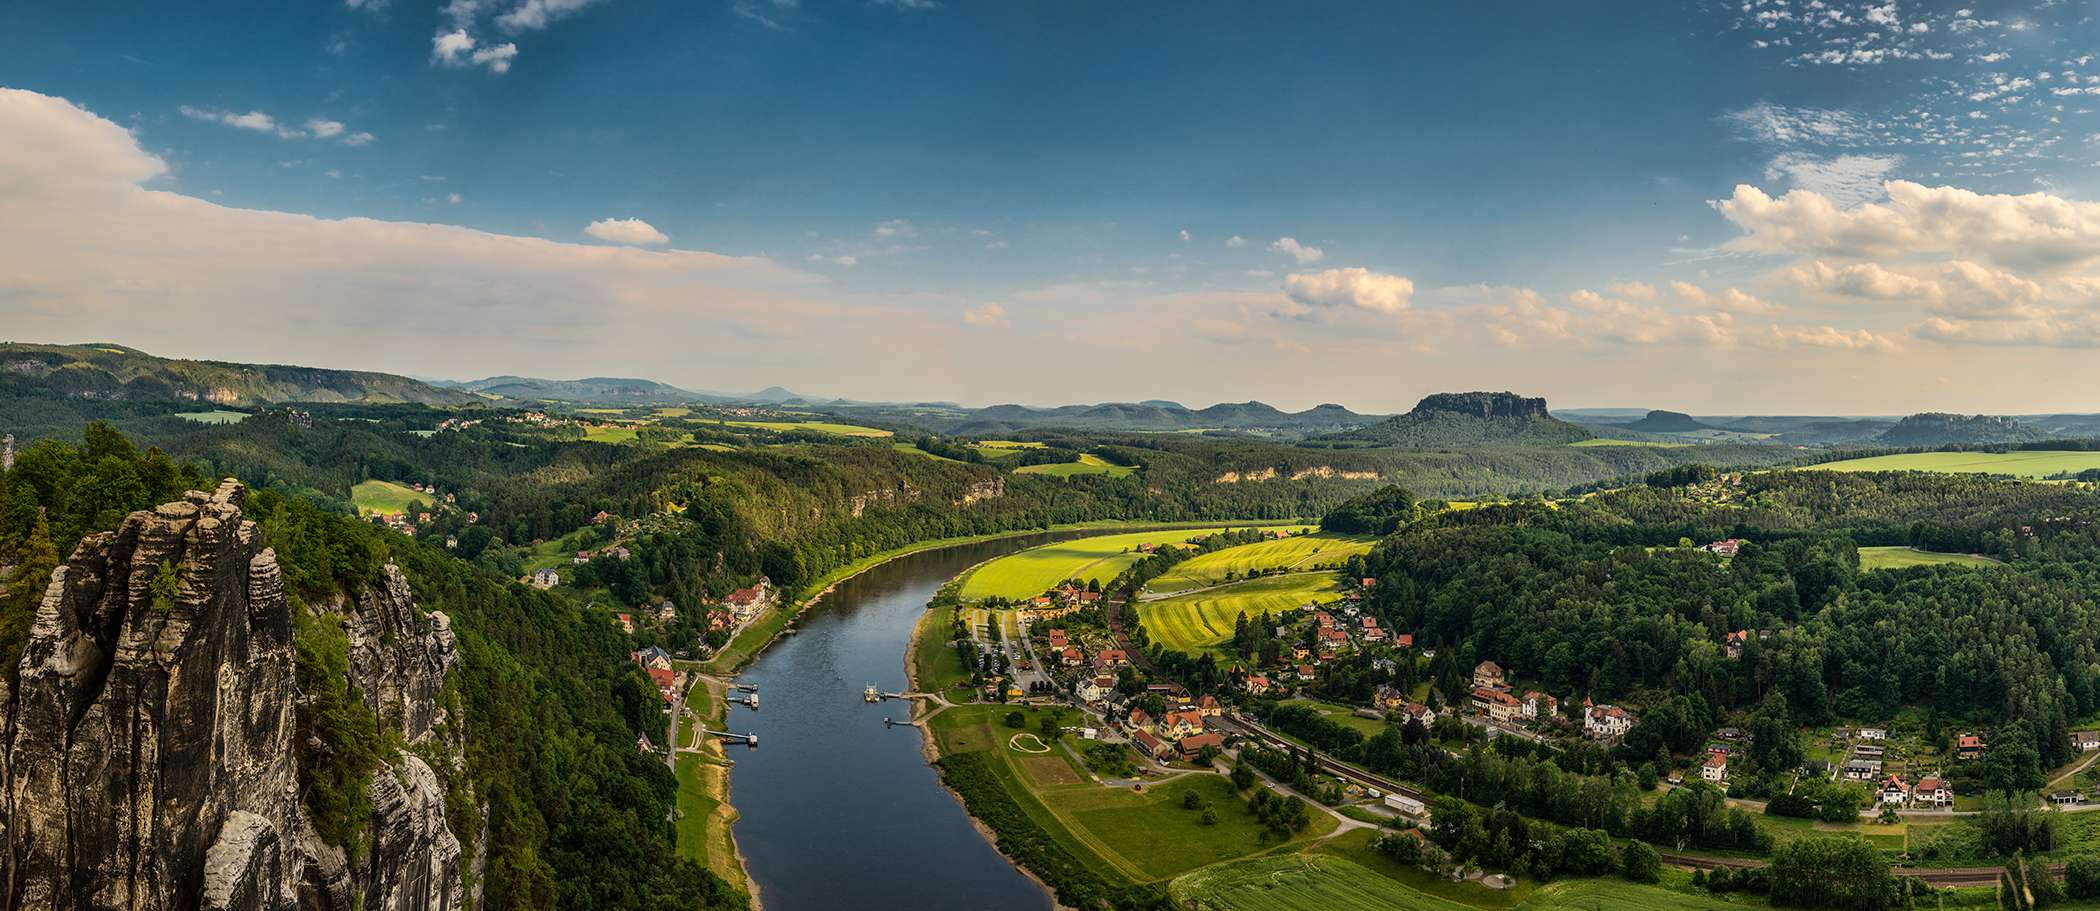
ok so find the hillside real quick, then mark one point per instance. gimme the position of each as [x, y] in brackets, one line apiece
[1148, 416]
[597, 390]
[1667, 422]
[1465, 419]
[1941, 429]
[114, 372]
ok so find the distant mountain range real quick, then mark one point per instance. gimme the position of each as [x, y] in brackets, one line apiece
[1454, 420]
[118, 373]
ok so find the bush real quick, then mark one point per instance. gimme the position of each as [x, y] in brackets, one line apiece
[1016, 720]
[2082, 877]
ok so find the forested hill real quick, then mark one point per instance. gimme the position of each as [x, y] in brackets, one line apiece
[1452, 420]
[99, 371]
[1940, 429]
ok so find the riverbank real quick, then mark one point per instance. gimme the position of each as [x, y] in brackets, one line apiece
[706, 820]
[753, 639]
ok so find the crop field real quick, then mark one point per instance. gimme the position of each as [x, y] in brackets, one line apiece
[1087, 464]
[1002, 449]
[214, 416]
[1322, 881]
[1038, 569]
[914, 450]
[386, 497]
[1652, 444]
[1872, 558]
[2039, 464]
[1298, 552]
[844, 430]
[1203, 620]
[609, 433]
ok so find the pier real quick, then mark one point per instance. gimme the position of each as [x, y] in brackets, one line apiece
[749, 740]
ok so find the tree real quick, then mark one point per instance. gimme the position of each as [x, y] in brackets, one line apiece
[1242, 777]
[22, 594]
[1640, 862]
[1016, 720]
[1190, 800]
[1826, 872]
[1210, 816]
[1775, 743]
[1049, 727]
[2082, 877]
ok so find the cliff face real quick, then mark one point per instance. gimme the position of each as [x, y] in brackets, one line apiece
[1482, 405]
[150, 760]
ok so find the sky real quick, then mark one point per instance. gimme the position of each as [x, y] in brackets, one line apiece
[1760, 206]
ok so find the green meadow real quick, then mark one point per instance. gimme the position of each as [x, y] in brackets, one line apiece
[386, 498]
[2038, 464]
[1871, 558]
[1088, 464]
[214, 416]
[1296, 552]
[846, 430]
[1037, 569]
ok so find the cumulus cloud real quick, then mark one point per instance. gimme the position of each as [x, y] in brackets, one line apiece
[456, 48]
[1352, 287]
[325, 129]
[627, 231]
[536, 14]
[986, 316]
[1289, 246]
[2034, 230]
[1844, 179]
[1235, 241]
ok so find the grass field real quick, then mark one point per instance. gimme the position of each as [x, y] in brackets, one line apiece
[1002, 449]
[214, 416]
[1343, 715]
[935, 667]
[386, 497]
[1203, 620]
[1321, 880]
[914, 450]
[1297, 552]
[847, 430]
[2039, 464]
[1087, 464]
[1872, 558]
[1032, 571]
[609, 433]
[1652, 444]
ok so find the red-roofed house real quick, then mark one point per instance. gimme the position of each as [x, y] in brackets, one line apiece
[1968, 746]
[1488, 674]
[1258, 684]
[1932, 791]
[1715, 768]
[1497, 704]
[1194, 744]
[666, 681]
[1150, 745]
[1176, 725]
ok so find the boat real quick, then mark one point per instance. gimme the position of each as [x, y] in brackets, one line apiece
[871, 694]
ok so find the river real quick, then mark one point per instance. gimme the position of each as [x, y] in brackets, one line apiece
[837, 810]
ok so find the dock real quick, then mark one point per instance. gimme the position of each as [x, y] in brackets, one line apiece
[749, 740]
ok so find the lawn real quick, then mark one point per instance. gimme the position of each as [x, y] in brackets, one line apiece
[847, 430]
[1037, 569]
[1343, 715]
[386, 497]
[935, 666]
[705, 823]
[2037, 464]
[1204, 620]
[214, 416]
[914, 450]
[1296, 552]
[1088, 464]
[1871, 558]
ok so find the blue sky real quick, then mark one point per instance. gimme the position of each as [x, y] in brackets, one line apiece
[1222, 201]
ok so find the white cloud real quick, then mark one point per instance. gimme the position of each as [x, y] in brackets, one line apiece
[454, 198]
[456, 48]
[627, 231]
[536, 14]
[325, 129]
[1235, 241]
[1289, 246]
[987, 316]
[838, 260]
[358, 139]
[896, 228]
[1727, 300]
[1352, 287]
[2035, 230]
[255, 121]
[1844, 179]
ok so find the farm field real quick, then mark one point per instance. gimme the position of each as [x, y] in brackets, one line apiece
[1032, 571]
[1087, 464]
[1203, 620]
[385, 498]
[610, 433]
[1002, 449]
[1323, 880]
[1296, 552]
[847, 430]
[914, 450]
[2039, 464]
[1122, 834]
[1652, 444]
[1872, 558]
[214, 416]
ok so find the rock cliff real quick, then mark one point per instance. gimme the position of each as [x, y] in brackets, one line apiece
[149, 756]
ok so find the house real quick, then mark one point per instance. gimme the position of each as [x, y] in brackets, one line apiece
[1299, 652]
[1374, 634]
[746, 602]
[1406, 806]
[1089, 598]
[1258, 684]
[626, 623]
[1725, 548]
[1176, 725]
[1498, 705]
[1539, 705]
[2086, 741]
[1208, 707]
[1369, 583]
[1932, 791]
[1194, 744]
[545, 579]
[1112, 657]
[1715, 768]
[1326, 658]
[1735, 642]
[666, 681]
[1606, 722]
[582, 556]
[1093, 689]
[1307, 672]
[1416, 711]
[1149, 745]
[1139, 720]
[2066, 798]
[1968, 746]
[1404, 640]
[1873, 733]
[1894, 791]
[642, 743]
[653, 656]
[1057, 640]
[1488, 674]
[1388, 698]
[1861, 769]
[1071, 657]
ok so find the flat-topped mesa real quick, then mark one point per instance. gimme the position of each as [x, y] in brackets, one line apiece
[1482, 404]
[151, 754]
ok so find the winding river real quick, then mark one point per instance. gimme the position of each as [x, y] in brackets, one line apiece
[837, 810]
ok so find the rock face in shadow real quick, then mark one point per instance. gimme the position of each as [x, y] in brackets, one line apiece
[150, 760]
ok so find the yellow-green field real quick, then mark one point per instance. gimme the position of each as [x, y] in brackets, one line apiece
[386, 498]
[1300, 552]
[914, 450]
[1037, 569]
[214, 416]
[1656, 444]
[1203, 620]
[1088, 464]
[847, 430]
[610, 433]
[2039, 464]
[1871, 558]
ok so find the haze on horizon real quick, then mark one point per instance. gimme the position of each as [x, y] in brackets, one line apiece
[1764, 206]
